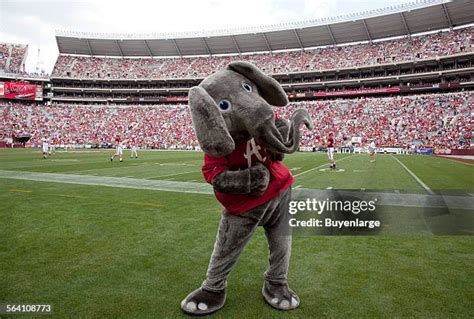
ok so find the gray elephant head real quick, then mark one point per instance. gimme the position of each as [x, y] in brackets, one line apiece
[234, 105]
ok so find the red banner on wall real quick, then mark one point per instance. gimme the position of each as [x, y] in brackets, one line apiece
[21, 91]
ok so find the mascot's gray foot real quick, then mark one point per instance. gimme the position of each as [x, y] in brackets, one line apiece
[280, 296]
[203, 302]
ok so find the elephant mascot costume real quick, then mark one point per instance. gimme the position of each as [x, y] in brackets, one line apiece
[244, 145]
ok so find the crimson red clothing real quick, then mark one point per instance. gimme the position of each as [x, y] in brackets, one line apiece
[280, 176]
[330, 142]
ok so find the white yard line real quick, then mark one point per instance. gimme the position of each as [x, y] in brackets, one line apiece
[320, 166]
[414, 176]
[309, 170]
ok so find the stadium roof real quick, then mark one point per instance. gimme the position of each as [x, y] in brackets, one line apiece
[417, 17]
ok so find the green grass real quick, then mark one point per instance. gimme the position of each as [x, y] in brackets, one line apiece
[441, 173]
[111, 252]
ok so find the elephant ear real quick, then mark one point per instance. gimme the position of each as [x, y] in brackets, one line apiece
[209, 125]
[268, 87]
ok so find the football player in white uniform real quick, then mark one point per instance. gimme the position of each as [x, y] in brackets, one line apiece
[134, 148]
[118, 149]
[371, 150]
[45, 147]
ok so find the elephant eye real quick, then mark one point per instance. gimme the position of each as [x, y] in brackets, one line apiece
[225, 105]
[247, 87]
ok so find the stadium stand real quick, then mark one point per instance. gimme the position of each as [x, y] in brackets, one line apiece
[399, 50]
[12, 57]
[430, 120]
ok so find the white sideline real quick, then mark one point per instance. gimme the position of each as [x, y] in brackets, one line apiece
[384, 199]
[121, 182]
[414, 176]
[320, 166]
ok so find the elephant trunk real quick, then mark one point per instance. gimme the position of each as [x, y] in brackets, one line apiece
[298, 118]
[269, 136]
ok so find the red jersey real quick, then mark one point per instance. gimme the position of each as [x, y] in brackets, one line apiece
[241, 158]
[117, 139]
[330, 142]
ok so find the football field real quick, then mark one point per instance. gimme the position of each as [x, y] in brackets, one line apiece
[96, 238]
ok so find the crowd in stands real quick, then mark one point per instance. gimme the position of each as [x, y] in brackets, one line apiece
[12, 57]
[437, 121]
[406, 49]
[432, 120]
[160, 127]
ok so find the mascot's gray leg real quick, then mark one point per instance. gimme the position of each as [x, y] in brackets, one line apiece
[203, 302]
[275, 289]
[234, 233]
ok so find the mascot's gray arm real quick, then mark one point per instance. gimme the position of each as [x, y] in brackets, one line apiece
[251, 181]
